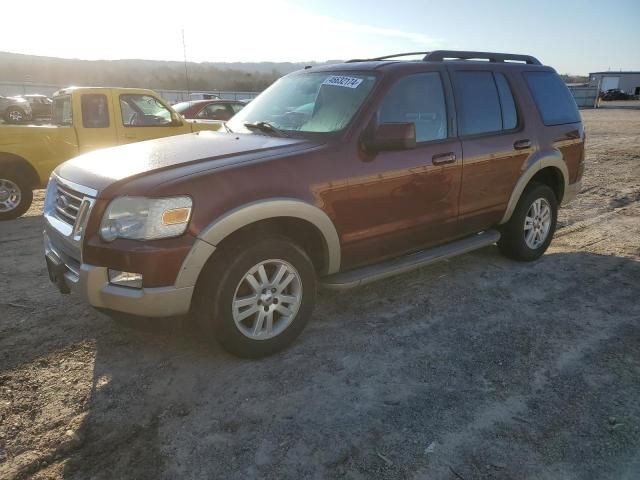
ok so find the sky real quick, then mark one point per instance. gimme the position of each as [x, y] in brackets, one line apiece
[576, 36]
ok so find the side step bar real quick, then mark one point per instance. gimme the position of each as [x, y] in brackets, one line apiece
[388, 268]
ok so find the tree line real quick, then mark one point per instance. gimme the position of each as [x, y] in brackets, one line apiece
[142, 73]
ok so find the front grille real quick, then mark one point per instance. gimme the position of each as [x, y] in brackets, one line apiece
[67, 204]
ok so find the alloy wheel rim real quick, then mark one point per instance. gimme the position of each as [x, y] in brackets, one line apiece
[537, 223]
[267, 299]
[16, 115]
[10, 195]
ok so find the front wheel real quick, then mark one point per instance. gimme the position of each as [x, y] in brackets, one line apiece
[527, 235]
[256, 298]
[15, 196]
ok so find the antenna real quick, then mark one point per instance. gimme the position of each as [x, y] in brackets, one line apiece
[186, 71]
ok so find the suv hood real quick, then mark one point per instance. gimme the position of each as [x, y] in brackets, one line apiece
[99, 169]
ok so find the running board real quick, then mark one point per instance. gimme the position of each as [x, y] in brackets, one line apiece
[388, 268]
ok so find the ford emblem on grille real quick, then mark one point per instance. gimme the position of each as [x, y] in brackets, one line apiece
[62, 202]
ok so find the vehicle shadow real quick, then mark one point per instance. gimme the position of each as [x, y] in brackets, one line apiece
[422, 374]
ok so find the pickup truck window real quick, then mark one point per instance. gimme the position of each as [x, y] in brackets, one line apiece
[309, 102]
[62, 113]
[143, 111]
[417, 99]
[95, 112]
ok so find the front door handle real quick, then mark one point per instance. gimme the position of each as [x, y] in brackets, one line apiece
[443, 158]
[522, 144]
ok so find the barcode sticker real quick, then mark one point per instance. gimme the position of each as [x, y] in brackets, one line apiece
[340, 81]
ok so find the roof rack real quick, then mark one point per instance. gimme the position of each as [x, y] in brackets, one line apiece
[386, 57]
[442, 55]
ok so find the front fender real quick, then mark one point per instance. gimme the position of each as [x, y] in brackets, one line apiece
[222, 227]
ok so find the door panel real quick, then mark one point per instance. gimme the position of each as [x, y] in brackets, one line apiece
[491, 169]
[405, 200]
[402, 202]
[494, 143]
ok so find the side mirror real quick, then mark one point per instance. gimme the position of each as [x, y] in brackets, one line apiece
[392, 136]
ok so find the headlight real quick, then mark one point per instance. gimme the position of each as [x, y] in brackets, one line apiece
[140, 218]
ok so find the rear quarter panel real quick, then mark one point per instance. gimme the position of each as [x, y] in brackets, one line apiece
[42, 146]
[567, 139]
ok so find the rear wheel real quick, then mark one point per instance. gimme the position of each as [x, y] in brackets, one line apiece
[15, 115]
[256, 298]
[527, 235]
[15, 196]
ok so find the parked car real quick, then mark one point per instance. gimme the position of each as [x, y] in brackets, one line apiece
[84, 119]
[15, 109]
[615, 94]
[209, 109]
[336, 175]
[40, 105]
[203, 96]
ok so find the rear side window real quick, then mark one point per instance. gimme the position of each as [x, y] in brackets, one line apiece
[95, 112]
[478, 103]
[62, 113]
[553, 98]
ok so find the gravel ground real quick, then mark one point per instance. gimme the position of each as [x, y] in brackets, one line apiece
[474, 368]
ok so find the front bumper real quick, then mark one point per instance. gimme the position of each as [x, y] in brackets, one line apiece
[92, 284]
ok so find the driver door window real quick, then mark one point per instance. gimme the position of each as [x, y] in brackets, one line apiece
[143, 111]
[417, 99]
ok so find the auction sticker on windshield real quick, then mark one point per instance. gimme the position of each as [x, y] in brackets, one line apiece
[341, 81]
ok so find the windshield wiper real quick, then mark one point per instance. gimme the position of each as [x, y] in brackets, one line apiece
[266, 127]
[226, 127]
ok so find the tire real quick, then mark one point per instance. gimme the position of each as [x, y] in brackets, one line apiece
[244, 331]
[15, 115]
[527, 245]
[16, 196]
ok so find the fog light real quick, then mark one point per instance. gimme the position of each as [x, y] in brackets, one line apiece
[125, 279]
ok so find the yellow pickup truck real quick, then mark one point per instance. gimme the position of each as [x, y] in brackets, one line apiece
[83, 119]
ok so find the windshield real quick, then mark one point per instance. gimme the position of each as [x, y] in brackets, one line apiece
[310, 102]
[182, 106]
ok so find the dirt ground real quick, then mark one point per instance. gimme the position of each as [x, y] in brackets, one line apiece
[474, 368]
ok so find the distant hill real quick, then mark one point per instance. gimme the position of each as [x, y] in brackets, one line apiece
[237, 76]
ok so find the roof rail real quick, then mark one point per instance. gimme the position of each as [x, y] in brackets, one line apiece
[441, 55]
[387, 57]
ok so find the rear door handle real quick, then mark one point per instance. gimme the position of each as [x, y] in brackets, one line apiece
[522, 144]
[443, 158]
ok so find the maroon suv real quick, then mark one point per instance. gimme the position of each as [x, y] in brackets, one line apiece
[336, 175]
